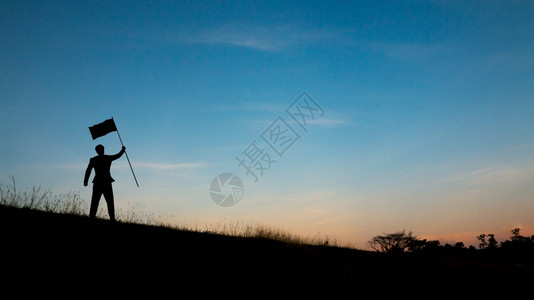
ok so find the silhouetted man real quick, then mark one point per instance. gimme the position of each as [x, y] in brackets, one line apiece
[102, 180]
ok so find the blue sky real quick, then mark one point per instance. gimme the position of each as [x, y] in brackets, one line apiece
[428, 122]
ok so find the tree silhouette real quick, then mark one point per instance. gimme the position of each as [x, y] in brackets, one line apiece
[483, 244]
[518, 238]
[393, 242]
[517, 250]
[459, 245]
[492, 242]
[515, 234]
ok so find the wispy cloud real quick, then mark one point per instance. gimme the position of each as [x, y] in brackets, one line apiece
[266, 38]
[64, 166]
[265, 106]
[323, 122]
[415, 52]
[328, 122]
[492, 175]
[461, 56]
[169, 166]
[226, 148]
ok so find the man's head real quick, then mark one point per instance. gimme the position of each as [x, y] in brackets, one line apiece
[99, 149]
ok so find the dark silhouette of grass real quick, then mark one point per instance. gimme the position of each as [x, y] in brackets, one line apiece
[48, 253]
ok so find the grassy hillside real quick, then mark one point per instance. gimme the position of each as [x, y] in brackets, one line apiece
[47, 253]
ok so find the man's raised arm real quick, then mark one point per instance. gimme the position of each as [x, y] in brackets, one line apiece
[116, 156]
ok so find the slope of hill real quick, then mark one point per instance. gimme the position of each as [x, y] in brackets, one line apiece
[58, 254]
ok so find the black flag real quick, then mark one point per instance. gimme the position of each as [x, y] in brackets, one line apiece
[103, 128]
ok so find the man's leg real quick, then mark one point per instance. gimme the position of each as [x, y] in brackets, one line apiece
[108, 195]
[95, 199]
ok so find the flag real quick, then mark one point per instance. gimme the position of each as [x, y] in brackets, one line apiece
[103, 128]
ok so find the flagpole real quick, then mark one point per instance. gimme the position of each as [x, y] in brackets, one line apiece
[126, 155]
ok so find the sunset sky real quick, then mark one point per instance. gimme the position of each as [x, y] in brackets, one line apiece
[426, 119]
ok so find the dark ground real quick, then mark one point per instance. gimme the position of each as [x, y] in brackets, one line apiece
[47, 254]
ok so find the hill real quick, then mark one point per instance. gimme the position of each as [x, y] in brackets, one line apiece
[54, 254]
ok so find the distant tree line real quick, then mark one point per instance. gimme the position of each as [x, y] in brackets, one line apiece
[517, 249]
